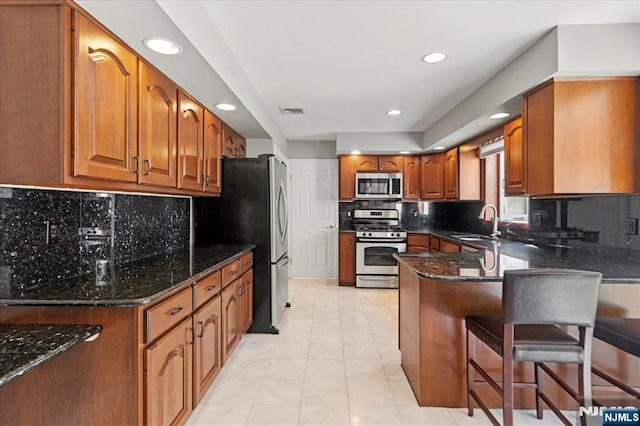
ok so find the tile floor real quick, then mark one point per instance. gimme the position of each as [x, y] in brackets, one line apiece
[334, 363]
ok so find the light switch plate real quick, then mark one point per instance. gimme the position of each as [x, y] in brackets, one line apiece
[632, 226]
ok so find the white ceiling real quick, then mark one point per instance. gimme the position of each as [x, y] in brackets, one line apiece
[348, 62]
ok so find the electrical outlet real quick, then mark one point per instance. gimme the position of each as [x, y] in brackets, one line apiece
[536, 219]
[52, 235]
[632, 226]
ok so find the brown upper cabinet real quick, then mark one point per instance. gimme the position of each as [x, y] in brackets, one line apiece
[451, 174]
[105, 137]
[581, 136]
[190, 143]
[432, 177]
[411, 178]
[211, 159]
[100, 118]
[390, 164]
[234, 145]
[157, 118]
[514, 160]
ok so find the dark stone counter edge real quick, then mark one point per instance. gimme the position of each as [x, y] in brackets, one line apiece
[451, 278]
[39, 359]
[125, 302]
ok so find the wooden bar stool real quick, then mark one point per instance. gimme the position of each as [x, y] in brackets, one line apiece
[624, 334]
[534, 303]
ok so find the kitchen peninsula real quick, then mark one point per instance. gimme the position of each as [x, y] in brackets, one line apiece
[157, 316]
[437, 290]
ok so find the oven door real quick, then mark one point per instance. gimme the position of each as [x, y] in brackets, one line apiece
[376, 258]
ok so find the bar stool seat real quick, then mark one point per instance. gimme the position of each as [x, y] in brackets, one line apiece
[623, 333]
[533, 343]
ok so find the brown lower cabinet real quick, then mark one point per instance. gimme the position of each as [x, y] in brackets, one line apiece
[347, 258]
[150, 365]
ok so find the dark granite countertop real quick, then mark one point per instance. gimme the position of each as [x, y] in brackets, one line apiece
[131, 284]
[25, 346]
[496, 256]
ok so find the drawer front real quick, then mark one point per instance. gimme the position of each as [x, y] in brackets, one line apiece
[206, 288]
[418, 240]
[246, 263]
[230, 273]
[168, 313]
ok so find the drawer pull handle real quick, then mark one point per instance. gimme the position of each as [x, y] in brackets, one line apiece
[191, 337]
[210, 288]
[175, 310]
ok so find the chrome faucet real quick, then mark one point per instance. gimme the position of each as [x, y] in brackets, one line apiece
[495, 233]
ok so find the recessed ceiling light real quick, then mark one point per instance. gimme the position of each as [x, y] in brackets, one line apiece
[394, 112]
[434, 58]
[405, 152]
[226, 107]
[355, 152]
[438, 148]
[499, 115]
[162, 45]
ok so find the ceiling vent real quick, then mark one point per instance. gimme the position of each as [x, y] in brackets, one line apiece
[292, 111]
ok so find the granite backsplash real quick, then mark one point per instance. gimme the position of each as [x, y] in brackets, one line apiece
[83, 227]
[601, 220]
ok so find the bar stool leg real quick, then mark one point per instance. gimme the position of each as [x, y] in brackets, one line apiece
[539, 389]
[471, 354]
[507, 375]
[585, 397]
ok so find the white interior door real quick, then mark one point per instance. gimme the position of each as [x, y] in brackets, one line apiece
[314, 218]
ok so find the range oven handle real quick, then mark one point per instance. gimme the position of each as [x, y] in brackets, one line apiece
[379, 240]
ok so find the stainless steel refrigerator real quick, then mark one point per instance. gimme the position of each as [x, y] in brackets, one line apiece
[253, 209]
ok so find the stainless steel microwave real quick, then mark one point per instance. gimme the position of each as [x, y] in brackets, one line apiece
[375, 186]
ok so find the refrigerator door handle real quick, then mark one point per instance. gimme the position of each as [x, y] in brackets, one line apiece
[282, 201]
[284, 260]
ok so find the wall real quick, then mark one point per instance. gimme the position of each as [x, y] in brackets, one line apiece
[378, 142]
[134, 227]
[311, 150]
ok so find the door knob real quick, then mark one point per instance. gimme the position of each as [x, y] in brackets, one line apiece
[330, 227]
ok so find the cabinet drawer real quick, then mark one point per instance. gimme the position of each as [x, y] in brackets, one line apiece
[206, 288]
[230, 273]
[418, 240]
[246, 262]
[166, 314]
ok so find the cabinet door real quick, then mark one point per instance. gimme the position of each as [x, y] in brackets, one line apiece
[211, 158]
[514, 181]
[230, 316]
[247, 300]
[347, 257]
[207, 356]
[365, 163]
[411, 178]
[447, 247]
[241, 146]
[169, 377]
[157, 119]
[347, 178]
[390, 163]
[451, 174]
[105, 106]
[432, 174]
[228, 142]
[190, 143]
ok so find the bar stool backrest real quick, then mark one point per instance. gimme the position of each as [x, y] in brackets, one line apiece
[550, 296]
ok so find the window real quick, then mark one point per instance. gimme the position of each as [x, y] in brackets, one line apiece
[512, 209]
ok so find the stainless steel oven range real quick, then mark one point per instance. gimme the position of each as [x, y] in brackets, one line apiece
[378, 236]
